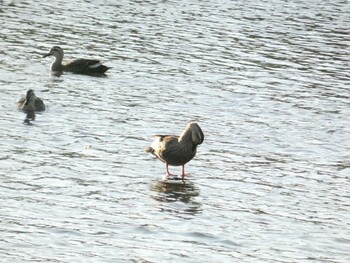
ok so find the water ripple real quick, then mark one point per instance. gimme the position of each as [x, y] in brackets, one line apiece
[268, 83]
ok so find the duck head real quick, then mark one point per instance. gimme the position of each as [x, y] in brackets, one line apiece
[55, 51]
[30, 97]
[197, 133]
[194, 133]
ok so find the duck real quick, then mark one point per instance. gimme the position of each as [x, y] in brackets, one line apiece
[30, 102]
[176, 150]
[79, 66]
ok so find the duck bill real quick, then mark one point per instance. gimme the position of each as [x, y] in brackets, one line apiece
[47, 55]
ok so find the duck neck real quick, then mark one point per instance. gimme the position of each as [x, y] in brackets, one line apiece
[57, 64]
[185, 136]
[29, 103]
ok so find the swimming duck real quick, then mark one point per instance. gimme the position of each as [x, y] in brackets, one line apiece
[31, 102]
[177, 150]
[79, 66]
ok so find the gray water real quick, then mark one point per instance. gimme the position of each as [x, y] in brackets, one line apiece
[268, 82]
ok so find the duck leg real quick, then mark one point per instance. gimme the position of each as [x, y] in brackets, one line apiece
[183, 172]
[167, 171]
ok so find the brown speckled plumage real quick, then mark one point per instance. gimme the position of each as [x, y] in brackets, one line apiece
[31, 102]
[79, 66]
[177, 150]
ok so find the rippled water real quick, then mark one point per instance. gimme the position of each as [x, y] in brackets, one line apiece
[268, 82]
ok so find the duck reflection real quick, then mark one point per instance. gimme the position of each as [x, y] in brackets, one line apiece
[173, 191]
[56, 74]
[30, 116]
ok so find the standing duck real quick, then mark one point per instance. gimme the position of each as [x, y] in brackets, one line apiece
[31, 102]
[79, 66]
[177, 150]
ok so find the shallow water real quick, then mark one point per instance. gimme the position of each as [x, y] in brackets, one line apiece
[267, 81]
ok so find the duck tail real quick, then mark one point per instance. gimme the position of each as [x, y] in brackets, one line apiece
[103, 68]
[149, 150]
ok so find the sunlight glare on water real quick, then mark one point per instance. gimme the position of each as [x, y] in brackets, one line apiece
[268, 82]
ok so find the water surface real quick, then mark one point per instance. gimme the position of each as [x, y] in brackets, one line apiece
[267, 81]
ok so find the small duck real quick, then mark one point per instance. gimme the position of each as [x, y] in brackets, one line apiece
[31, 102]
[177, 150]
[79, 66]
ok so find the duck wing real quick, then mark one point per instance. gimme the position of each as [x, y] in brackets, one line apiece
[39, 105]
[21, 102]
[85, 66]
[166, 146]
